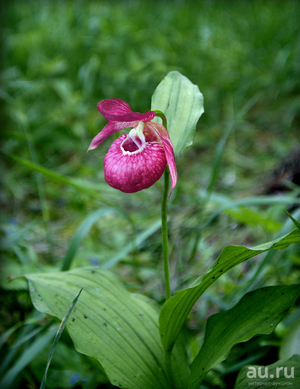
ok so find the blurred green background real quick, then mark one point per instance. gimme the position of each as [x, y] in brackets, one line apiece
[59, 59]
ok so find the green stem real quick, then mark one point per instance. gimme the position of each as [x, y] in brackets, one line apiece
[162, 116]
[164, 227]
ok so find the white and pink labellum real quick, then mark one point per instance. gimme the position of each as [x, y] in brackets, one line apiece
[137, 160]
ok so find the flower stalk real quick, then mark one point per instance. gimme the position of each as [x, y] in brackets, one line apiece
[164, 217]
[164, 226]
[161, 115]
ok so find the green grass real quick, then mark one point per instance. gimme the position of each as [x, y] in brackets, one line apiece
[59, 59]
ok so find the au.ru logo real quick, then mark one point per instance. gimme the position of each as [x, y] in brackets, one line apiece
[280, 372]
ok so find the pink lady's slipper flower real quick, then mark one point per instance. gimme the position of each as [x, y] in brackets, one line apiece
[137, 160]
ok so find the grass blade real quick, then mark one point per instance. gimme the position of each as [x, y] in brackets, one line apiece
[58, 335]
[26, 357]
[297, 224]
[130, 246]
[82, 187]
[83, 230]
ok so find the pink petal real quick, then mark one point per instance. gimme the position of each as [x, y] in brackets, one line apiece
[169, 151]
[108, 130]
[119, 111]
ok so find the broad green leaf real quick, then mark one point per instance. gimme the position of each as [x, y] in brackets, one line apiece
[258, 312]
[115, 327]
[182, 103]
[282, 373]
[176, 309]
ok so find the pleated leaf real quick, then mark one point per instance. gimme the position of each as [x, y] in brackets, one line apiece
[258, 312]
[115, 327]
[182, 103]
[176, 309]
[280, 374]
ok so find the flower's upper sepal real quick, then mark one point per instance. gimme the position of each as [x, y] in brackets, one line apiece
[119, 115]
[111, 109]
[119, 111]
